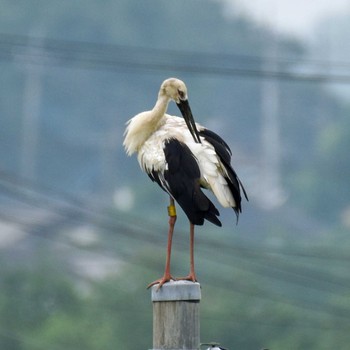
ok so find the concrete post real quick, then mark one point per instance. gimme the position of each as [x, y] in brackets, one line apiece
[176, 316]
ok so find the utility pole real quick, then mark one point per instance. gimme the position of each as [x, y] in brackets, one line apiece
[272, 193]
[176, 316]
[31, 111]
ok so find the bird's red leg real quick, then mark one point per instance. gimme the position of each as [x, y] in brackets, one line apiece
[192, 275]
[172, 219]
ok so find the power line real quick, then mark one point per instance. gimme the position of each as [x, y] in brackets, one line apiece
[59, 202]
[219, 282]
[102, 49]
[257, 260]
[89, 55]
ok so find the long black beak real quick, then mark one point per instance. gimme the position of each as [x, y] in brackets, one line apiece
[186, 112]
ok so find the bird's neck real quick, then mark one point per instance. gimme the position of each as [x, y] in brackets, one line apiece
[144, 124]
[160, 107]
[154, 119]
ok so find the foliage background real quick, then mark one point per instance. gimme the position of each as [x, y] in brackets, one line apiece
[83, 230]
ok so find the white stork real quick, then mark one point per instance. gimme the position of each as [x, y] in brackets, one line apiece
[183, 157]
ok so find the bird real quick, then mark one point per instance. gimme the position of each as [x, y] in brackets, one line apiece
[213, 346]
[183, 158]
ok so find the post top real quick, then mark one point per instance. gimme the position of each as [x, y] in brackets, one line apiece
[176, 291]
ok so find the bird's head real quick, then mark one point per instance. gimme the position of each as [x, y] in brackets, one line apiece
[175, 89]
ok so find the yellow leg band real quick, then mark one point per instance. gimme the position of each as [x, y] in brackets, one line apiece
[171, 210]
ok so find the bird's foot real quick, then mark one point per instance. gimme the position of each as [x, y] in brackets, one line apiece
[190, 277]
[161, 281]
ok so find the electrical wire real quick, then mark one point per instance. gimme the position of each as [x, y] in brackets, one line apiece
[251, 260]
[60, 202]
[220, 283]
[78, 214]
[45, 51]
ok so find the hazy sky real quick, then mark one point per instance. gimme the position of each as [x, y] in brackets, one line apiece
[292, 16]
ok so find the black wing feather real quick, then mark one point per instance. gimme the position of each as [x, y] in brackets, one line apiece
[181, 181]
[224, 153]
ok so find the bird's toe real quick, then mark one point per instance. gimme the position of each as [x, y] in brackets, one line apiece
[161, 281]
[190, 277]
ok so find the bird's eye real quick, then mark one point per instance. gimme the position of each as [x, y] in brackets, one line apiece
[181, 94]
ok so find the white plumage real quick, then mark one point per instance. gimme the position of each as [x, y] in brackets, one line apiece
[183, 157]
[151, 157]
[213, 346]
